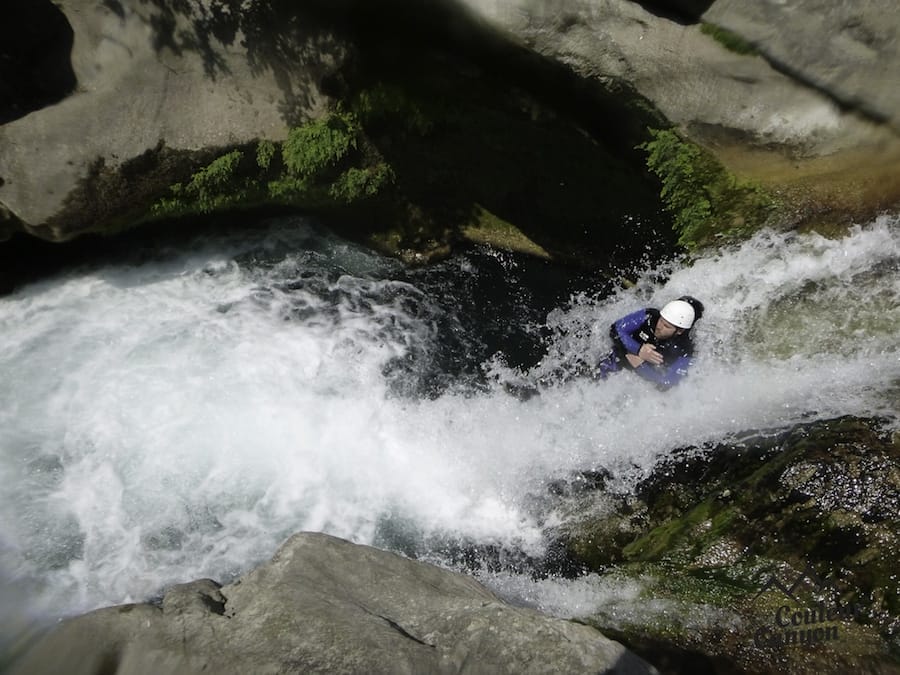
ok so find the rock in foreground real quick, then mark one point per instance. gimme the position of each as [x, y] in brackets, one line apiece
[324, 605]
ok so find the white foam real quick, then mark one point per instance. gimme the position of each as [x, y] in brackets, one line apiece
[179, 419]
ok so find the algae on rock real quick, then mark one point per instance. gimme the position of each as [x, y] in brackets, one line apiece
[416, 165]
[706, 199]
[805, 518]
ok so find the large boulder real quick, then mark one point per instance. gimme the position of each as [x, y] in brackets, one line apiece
[325, 605]
[164, 88]
[155, 81]
[800, 97]
[849, 51]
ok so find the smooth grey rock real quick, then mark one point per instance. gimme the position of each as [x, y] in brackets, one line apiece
[149, 75]
[699, 84]
[325, 605]
[849, 49]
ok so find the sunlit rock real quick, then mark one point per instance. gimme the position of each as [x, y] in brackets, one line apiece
[324, 605]
[155, 82]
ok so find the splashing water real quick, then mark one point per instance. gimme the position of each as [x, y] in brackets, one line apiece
[179, 417]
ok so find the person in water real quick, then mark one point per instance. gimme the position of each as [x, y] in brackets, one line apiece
[654, 343]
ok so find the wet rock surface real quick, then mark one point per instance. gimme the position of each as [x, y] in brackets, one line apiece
[778, 551]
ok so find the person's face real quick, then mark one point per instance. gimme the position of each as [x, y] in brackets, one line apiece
[664, 330]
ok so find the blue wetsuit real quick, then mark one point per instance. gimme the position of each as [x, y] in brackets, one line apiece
[636, 329]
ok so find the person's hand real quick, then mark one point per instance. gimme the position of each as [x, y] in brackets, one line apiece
[635, 361]
[648, 353]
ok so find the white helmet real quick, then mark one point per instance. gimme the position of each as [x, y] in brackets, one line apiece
[678, 313]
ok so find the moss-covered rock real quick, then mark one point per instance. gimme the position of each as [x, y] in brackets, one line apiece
[706, 199]
[321, 165]
[526, 112]
[775, 538]
[417, 158]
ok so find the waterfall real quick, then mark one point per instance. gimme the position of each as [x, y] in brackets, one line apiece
[178, 415]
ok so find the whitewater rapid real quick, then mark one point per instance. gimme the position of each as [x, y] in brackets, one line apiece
[178, 416]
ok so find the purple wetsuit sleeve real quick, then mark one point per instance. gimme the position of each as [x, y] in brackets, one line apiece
[626, 326]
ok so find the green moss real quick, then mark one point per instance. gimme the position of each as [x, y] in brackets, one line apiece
[217, 174]
[487, 228]
[265, 151]
[315, 147]
[706, 199]
[317, 167]
[684, 537]
[359, 183]
[728, 39]
[699, 586]
[216, 186]
[287, 189]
